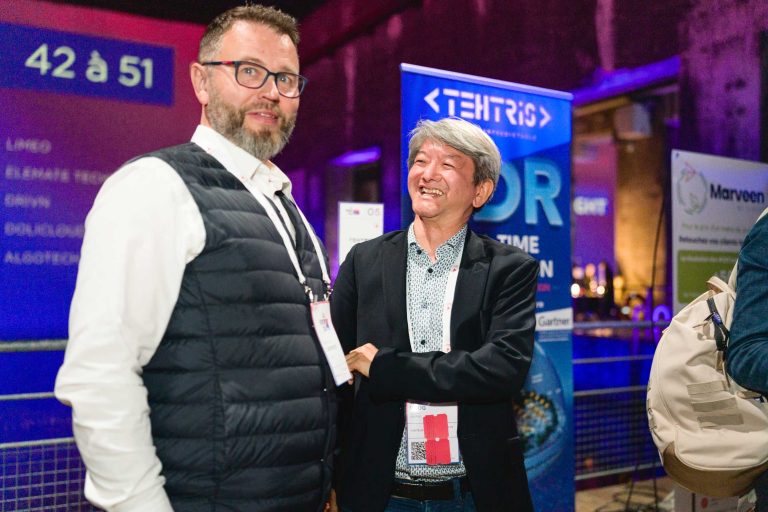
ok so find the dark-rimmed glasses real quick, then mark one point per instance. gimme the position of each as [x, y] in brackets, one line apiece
[253, 76]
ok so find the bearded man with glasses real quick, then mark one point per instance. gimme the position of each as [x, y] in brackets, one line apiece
[193, 369]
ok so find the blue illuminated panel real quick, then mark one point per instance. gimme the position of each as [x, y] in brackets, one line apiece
[63, 62]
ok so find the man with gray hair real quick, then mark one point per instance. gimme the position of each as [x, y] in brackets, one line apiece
[195, 375]
[438, 322]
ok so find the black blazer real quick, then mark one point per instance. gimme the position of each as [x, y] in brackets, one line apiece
[492, 325]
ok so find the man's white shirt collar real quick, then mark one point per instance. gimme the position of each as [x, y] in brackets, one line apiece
[241, 163]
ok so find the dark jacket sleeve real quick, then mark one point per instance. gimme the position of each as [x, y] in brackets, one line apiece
[494, 371]
[748, 348]
[344, 303]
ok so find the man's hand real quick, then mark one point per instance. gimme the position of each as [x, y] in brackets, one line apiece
[331, 505]
[359, 360]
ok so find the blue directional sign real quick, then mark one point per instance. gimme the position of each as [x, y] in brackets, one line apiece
[63, 62]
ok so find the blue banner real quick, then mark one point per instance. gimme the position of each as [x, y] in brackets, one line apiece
[62, 62]
[530, 209]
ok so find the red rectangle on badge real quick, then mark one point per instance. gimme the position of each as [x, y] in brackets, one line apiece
[443, 451]
[438, 452]
[440, 426]
[431, 452]
[429, 426]
[435, 426]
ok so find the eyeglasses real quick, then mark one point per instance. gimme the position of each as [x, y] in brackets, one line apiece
[253, 76]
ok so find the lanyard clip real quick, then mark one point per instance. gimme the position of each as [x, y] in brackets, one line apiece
[328, 290]
[309, 293]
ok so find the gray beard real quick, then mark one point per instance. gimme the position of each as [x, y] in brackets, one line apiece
[229, 122]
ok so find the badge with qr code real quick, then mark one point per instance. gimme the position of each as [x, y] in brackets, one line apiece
[431, 432]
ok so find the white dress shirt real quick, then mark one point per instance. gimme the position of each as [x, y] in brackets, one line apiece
[143, 229]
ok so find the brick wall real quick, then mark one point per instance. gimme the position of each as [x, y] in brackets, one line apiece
[720, 94]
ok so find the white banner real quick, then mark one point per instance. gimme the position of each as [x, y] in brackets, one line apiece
[555, 320]
[358, 222]
[715, 201]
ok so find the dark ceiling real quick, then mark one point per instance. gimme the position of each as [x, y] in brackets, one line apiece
[195, 11]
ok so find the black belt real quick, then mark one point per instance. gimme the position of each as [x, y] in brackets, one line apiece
[423, 491]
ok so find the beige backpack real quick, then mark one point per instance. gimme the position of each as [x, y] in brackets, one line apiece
[711, 433]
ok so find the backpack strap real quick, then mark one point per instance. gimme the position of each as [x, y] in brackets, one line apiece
[717, 285]
[721, 332]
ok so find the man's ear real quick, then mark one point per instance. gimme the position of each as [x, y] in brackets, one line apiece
[483, 191]
[199, 76]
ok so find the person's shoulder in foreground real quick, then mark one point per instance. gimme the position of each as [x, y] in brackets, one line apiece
[747, 355]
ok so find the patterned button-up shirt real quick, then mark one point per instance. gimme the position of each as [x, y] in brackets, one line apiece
[425, 291]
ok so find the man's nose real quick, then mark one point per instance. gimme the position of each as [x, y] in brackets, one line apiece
[269, 90]
[430, 171]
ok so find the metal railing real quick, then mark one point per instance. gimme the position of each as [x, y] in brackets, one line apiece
[611, 437]
[32, 346]
[610, 426]
[45, 475]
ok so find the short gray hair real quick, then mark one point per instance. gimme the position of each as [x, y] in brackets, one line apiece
[463, 136]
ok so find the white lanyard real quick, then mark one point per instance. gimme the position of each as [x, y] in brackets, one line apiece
[320, 310]
[450, 291]
[318, 251]
[273, 216]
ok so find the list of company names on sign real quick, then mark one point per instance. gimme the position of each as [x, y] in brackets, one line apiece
[40, 226]
[82, 91]
[45, 198]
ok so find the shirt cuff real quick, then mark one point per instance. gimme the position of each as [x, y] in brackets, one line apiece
[152, 500]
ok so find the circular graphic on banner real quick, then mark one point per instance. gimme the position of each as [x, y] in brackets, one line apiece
[540, 412]
[692, 191]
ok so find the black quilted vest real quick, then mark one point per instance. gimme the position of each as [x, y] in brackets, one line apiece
[242, 401]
